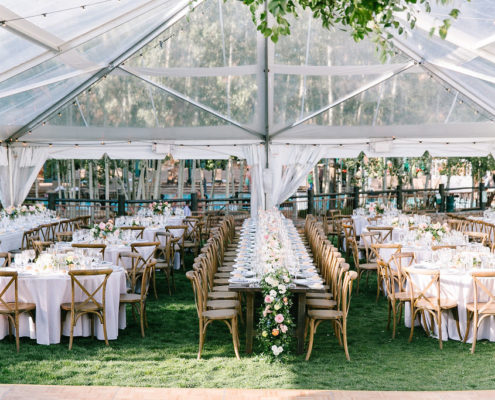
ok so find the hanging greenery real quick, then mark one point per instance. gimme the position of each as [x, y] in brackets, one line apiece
[361, 18]
[275, 326]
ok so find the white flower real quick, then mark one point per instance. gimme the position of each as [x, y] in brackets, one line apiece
[282, 289]
[277, 349]
[273, 293]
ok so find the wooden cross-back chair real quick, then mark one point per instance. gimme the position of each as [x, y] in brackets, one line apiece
[338, 316]
[6, 257]
[99, 246]
[89, 304]
[12, 310]
[137, 230]
[478, 310]
[181, 234]
[424, 303]
[40, 246]
[165, 257]
[206, 317]
[376, 249]
[28, 237]
[395, 285]
[138, 300]
[386, 232]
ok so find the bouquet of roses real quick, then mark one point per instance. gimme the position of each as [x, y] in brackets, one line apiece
[10, 212]
[433, 231]
[160, 207]
[103, 230]
[276, 323]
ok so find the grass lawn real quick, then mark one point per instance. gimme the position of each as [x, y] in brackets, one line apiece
[167, 356]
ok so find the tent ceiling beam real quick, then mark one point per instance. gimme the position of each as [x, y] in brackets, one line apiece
[434, 70]
[350, 95]
[130, 51]
[196, 104]
[29, 31]
[85, 37]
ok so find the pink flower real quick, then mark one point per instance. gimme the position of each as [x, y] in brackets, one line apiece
[268, 299]
[284, 328]
[279, 318]
[102, 225]
[266, 311]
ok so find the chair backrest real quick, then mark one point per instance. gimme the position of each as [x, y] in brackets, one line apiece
[480, 290]
[386, 231]
[89, 295]
[179, 231]
[146, 278]
[28, 237]
[193, 276]
[424, 294]
[139, 230]
[146, 249]
[345, 292]
[7, 305]
[100, 246]
[376, 248]
[369, 239]
[40, 246]
[6, 257]
[400, 261]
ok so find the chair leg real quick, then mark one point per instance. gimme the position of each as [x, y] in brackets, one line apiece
[234, 337]
[344, 334]
[154, 284]
[358, 279]
[439, 324]
[141, 318]
[468, 324]
[104, 323]
[389, 312]
[201, 339]
[311, 337]
[413, 320]
[475, 332]
[72, 323]
[16, 327]
[394, 314]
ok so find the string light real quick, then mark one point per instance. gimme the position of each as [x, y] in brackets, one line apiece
[46, 13]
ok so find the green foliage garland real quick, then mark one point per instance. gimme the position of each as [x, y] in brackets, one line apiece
[275, 326]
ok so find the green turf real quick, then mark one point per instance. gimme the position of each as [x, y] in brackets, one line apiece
[167, 356]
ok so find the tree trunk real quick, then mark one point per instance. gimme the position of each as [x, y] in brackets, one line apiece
[157, 180]
[193, 176]
[241, 176]
[227, 178]
[91, 188]
[107, 188]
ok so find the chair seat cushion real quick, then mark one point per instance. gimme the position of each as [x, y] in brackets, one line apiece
[221, 288]
[219, 304]
[321, 303]
[222, 295]
[130, 298]
[226, 313]
[320, 295]
[222, 275]
[481, 306]
[81, 307]
[221, 281]
[225, 269]
[432, 302]
[22, 307]
[325, 314]
[369, 266]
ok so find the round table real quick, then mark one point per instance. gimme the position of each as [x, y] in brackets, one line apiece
[48, 291]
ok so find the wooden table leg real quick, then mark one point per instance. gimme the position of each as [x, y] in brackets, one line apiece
[249, 322]
[301, 319]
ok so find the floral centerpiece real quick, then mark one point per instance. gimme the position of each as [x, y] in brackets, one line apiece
[160, 208]
[432, 231]
[10, 212]
[103, 230]
[275, 326]
[375, 208]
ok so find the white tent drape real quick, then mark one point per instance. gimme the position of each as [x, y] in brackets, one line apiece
[288, 168]
[18, 170]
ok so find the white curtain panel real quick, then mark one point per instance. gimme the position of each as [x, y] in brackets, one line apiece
[288, 168]
[18, 170]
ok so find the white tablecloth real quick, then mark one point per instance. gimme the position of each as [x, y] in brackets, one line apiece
[48, 292]
[11, 240]
[459, 287]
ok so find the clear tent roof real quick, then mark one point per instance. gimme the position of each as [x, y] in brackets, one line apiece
[212, 77]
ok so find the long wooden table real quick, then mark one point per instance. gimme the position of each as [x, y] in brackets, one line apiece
[250, 292]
